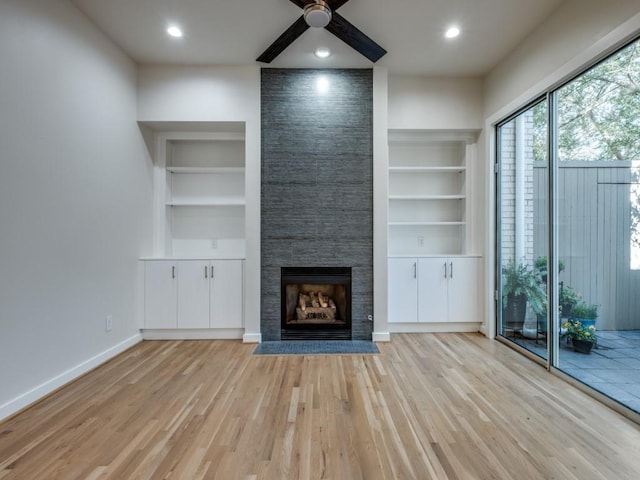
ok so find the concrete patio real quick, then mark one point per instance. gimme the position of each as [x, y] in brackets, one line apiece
[612, 368]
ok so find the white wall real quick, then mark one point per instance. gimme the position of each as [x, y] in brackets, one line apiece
[568, 41]
[216, 94]
[380, 204]
[75, 199]
[576, 33]
[435, 103]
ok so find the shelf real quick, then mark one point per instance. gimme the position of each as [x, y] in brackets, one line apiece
[429, 182]
[199, 184]
[457, 169]
[426, 197]
[240, 202]
[206, 170]
[426, 224]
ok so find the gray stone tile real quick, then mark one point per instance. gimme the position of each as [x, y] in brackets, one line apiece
[632, 388]
[615, 392]
[611, 349]
[609, 334]
[630, 352]
[611, 340]
[616, 376]
[629, 362]
[317, 181]
[290, 169]
[630, 334]
[580, 374]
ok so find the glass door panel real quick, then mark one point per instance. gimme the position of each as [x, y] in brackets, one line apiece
[522, 229]
[598, 225]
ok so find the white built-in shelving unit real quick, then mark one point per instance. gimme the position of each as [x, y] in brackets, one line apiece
[202, 185]
[428, 191]
[194, 282]
[432, 278]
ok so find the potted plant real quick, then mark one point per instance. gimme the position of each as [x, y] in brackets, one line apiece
[541, 266]
[582, 337]
[569, 298]
[521, 284]
[585, 314]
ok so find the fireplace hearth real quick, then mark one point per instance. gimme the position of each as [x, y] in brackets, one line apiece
[316, 303]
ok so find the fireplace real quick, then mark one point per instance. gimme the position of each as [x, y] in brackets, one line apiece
[316, 303]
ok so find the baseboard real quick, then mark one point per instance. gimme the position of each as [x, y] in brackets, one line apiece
[193, 334]
[380, 337]
[483, 330]
[32, 396]
[434, 327]
[252, 338]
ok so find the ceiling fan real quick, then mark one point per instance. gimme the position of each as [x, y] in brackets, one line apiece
[319, 14]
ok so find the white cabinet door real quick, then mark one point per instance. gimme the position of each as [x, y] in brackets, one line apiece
[463, 290]
[403, 290]
[432, 290]
[226, 294]
[160, 294]
[193, 294]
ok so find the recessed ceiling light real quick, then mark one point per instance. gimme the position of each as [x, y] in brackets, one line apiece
[452, 32]
[322, 52]
[174, 31]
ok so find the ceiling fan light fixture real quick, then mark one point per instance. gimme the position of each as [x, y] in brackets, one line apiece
[317, 15]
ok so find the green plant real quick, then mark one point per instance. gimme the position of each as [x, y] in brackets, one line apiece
[519, 280]
[569, 298]
[582, 310]
[541, 265]
[577, 331]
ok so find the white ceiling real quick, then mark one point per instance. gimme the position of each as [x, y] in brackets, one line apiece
[235, 32]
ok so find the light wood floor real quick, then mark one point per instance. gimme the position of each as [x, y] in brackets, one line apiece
[429, 406]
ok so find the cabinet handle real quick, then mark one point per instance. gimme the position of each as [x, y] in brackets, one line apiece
[205, 272]
[415, 270]
[173, 271]
[445, 269]
[211, 271]
[451, 270]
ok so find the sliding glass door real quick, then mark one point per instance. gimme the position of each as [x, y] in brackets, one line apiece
[568, 189]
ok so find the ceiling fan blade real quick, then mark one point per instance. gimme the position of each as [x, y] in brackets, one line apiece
[334, 4]
[353, 37]
[296, 29]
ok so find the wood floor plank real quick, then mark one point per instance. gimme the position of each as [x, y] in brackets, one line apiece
[429, 406]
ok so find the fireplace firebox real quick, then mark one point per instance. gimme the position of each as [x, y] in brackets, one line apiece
[316, 303]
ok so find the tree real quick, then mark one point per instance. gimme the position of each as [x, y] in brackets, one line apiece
[599, 112]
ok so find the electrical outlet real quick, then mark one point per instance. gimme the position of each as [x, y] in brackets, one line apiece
[108, 323]
[420, 241]
[214, 243]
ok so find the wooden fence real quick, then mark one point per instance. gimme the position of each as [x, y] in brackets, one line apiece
[594, 228]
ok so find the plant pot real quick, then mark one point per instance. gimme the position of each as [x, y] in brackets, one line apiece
[542, 323]
[586, 322]
[514, 313]
[582, 346]
[566, 310]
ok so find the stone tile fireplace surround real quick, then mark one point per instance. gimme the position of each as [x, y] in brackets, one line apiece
[317, 184]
